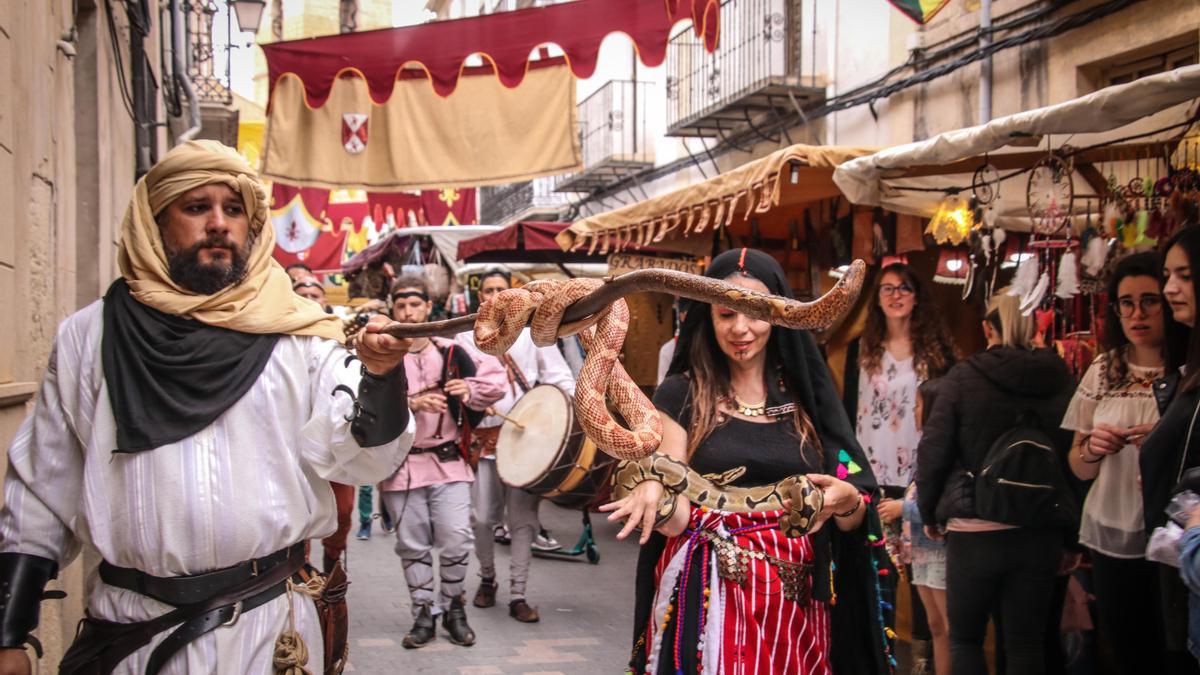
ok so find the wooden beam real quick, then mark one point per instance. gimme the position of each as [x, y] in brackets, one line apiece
[1093, 177]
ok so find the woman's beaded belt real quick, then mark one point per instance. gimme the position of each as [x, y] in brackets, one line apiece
[733, 564]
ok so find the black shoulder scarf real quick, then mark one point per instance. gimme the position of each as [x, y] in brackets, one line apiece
[169, 377]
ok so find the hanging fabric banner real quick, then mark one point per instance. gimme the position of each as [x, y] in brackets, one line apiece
[323, 229]
[451, 206]
[402, 108]
[481, 135]
[440, 49]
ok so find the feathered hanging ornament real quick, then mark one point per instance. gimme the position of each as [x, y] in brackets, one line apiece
[972, 270]
[1094, 256]
[1111, 222]
[1068, 276]
[1026, 277]
[1031, 301]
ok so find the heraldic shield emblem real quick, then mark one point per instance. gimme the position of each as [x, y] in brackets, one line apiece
[354, 132]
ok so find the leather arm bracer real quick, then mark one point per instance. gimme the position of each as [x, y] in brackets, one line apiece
[23, 578]
[381, 408]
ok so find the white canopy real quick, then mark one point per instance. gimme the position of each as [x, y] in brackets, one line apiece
[916, 177]
[531, 271]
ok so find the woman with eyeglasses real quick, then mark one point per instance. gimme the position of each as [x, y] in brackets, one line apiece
[1174, 447]
[1112, 411]
[904, 344]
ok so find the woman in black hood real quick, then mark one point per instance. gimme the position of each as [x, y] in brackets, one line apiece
[743, 393]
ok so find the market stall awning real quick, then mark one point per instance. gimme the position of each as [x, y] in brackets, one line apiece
[686, 219]
[527, 241]
[506, 39]
[523, 242]
[398, 242]
[1108, 132]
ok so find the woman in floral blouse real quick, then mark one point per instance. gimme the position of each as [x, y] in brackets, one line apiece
[903, 345]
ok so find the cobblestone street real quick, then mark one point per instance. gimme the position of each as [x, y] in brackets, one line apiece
[585, 609]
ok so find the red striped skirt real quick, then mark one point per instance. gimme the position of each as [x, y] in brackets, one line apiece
[739, 626]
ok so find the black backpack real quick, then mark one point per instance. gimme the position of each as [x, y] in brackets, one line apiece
[1020, 481]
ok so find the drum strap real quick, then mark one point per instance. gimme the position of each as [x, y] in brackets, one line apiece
[515, 372]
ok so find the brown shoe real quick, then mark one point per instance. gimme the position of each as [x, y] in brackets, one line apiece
[521, 611]
[486, 595]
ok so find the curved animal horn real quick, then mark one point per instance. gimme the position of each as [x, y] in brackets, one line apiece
[819, 314]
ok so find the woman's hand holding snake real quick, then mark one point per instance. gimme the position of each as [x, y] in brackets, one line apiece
[640, 507]
[840, 497]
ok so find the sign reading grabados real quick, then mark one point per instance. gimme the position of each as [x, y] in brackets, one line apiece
[620, 263]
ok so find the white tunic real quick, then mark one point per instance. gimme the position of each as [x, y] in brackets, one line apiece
[254, 481]
[539, 365]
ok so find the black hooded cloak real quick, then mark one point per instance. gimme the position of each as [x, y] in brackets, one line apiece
[858, 640]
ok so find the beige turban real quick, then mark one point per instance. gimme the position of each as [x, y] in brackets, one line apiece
[263, 302]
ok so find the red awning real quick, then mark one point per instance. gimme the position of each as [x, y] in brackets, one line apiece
[523, 242]
[506, 39]
[530, 241]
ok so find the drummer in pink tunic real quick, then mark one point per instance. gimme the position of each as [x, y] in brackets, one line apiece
[526, 366]
[429, 496]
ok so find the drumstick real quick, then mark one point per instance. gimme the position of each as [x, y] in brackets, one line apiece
[506, 418]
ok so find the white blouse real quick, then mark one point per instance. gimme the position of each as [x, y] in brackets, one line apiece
[1111, 522]
[886, 420]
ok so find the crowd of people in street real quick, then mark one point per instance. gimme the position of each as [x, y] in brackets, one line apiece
[1120, 439]
[200, 424]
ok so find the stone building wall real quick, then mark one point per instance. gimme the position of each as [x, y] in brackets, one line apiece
[1043, 72]
[67, 165]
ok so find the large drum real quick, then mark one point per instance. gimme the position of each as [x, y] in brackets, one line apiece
[548, 454]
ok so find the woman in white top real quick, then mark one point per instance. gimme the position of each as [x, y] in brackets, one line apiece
[1112, 410]
[903, 344]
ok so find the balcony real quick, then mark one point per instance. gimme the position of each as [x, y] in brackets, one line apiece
[537, 199]
[752, 79]
[612, 131]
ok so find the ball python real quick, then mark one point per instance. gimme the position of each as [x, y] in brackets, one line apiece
[596, 311]
[714, 492]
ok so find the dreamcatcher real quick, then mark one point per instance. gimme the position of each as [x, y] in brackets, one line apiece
[987, 240]
[1050, 195]
[1047, 279]
[1141, 211]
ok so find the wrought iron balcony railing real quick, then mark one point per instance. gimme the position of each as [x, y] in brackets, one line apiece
[537, 199]
[613, 135]
[753, 75]
[211, 85]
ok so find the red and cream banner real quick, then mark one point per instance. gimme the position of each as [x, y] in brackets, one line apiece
[450, 206]
[483, 134]
[323, 229]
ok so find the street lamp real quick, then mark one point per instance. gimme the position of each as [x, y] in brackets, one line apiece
[249, 13]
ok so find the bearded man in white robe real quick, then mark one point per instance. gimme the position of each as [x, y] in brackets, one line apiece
[187, 428]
